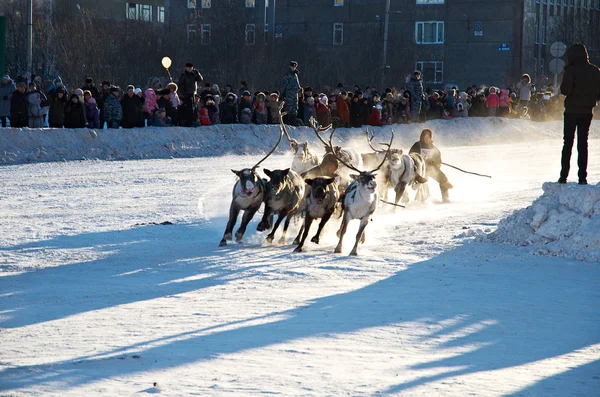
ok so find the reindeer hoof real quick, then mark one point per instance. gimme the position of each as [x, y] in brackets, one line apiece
[338, 250]
[238, 237]
[269, 240]
[223, 243]
[353, 253]
[296, 241]
[281, 241]
[315, 240]
[298, 249]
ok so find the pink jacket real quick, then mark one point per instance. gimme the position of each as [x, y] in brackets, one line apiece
[150, 104]
[504, 99]
[492, 101]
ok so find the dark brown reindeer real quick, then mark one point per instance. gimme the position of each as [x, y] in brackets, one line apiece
[285, 191]
[249, 192]
[320, 200]
[360, 199]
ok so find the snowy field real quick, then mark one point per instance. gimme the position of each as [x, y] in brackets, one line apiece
[98, 298]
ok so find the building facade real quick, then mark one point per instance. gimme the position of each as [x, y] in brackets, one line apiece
[366, 42]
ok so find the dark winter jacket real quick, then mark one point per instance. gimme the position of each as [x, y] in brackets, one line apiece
[19, 109]
[431, 154]
[113, 112]
[356, 114]
[166, 104]
[6, 91]
[188, 83]
[228, 110]
[131, 107]
[289, 91]
[56, 114]
[244, 104]
[415, 87]
[74, 114]
[91, 88]
[581, 82]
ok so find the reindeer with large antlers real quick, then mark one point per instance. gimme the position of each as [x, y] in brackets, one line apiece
[360, 199]
[249, 192]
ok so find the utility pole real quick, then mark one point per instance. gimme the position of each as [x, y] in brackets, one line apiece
[386, 29]
[30, 37]
[386, 26]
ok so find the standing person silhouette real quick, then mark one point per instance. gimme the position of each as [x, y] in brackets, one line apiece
[581, 87]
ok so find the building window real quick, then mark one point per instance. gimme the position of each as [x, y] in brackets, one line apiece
[160, 17]
[191, 33]
[338, 33]
[543, 34]
[552, 2]
[205, 34]
[206, 3]
[250, 34]
[139, 12]
[250, 3]
[338, 3]
[571, 3]
[191, 3]
[430, 1]
[431, 32]
[431, 71]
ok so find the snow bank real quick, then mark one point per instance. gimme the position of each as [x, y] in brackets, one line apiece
[564, 221]
[37, 145]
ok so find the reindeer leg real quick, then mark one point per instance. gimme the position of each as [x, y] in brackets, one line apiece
[361, 229]
[341, 232]
[299, 236]
[233, 214]
[307, 221]
[248, 215]
[267, 219]
[324, 220]
[285, 228]
[363, 237]
[271, 235]
[400, 189]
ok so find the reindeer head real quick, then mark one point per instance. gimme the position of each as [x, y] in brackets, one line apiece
[319, 187]
[277, 179]
[395, 157]
[249, 181]
[366, 179]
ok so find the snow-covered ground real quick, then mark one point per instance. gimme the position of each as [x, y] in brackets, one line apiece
[97, 298]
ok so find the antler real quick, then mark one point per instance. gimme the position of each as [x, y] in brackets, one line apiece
[272, 150]
[387, 152]
[329, 144]
[282, 125]
[369, 139]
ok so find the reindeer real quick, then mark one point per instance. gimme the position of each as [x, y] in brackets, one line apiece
[249, 192]
[404, 170]
[360, 199]
[285, 193]
[304, 159]
[320, 200]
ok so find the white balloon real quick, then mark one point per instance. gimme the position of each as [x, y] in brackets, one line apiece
[166, 62]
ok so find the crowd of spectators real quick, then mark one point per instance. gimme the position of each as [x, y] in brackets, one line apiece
[192, 102]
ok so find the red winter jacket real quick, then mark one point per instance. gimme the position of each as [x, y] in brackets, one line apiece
[374, 118]
[204, 119]
[492, 101]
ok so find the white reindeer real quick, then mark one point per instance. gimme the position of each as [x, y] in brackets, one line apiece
[304, 159]
[359, 200]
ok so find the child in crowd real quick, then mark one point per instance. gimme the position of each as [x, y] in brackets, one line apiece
[492, 102]
[273, 106]
[92, 113]
[260, 109]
